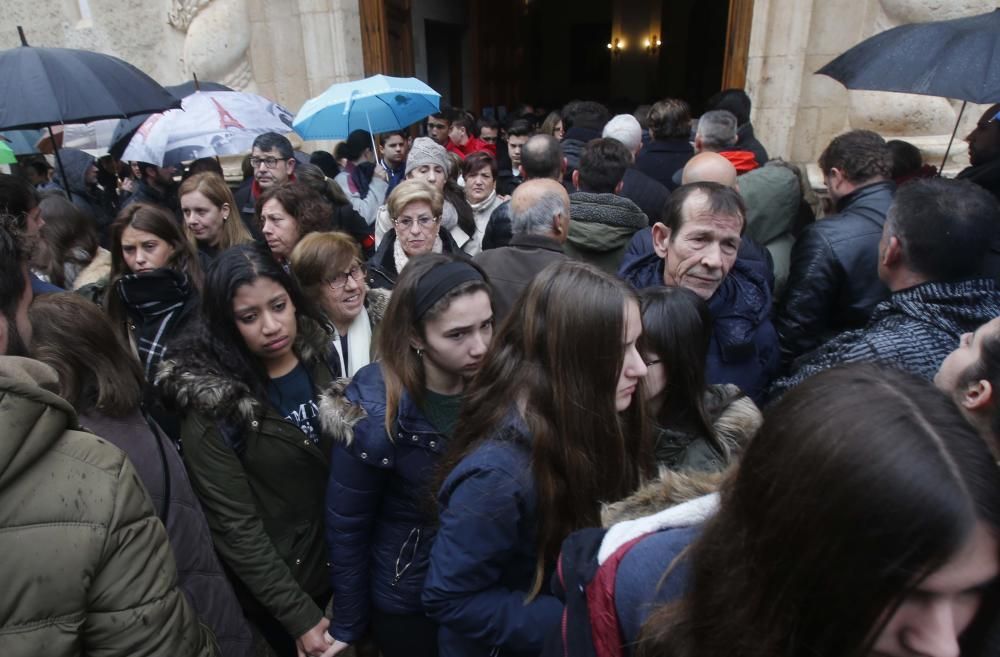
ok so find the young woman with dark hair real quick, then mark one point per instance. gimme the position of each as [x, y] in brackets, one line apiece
[68, 242]
[863, 520]
[104, 382]
[394, 420]
[552, 425]
[154, 282]
[698, 427]
[246, 384]
[343, 216]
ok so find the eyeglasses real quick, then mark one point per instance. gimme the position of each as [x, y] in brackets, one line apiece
[407, 224]
[268, 162]
[357, 272]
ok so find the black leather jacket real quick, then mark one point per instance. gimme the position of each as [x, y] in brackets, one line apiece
[833, 282]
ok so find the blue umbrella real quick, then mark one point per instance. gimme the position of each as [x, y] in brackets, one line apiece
[376, 104]
[22, 142]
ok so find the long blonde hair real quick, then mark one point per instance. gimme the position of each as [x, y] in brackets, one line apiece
[214, 188]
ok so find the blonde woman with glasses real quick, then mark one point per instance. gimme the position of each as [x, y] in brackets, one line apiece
[415, 211]
[331, 273]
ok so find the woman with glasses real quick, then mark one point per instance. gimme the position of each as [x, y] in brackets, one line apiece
[415, 210]
[392, 425]
[329, 268]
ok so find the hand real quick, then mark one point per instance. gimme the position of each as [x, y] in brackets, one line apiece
[336, 647]
[314, 642]
[380, 172]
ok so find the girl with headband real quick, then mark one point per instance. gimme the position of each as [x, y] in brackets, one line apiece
[392, 423]
[552, 426]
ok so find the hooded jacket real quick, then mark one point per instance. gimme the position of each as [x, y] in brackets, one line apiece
[260, 480]
[833, 282]
[600, 227]
[743, 349]
[746, 140]
[86, 567]
[773, 198]
[379, 527]
[914, 330]
[85, 197]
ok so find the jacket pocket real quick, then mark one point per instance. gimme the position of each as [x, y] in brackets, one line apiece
[407, 554]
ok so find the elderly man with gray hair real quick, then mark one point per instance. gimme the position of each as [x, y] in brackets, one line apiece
[539, 213]
[717, 132]
[640, 188]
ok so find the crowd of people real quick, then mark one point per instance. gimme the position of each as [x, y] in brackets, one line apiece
[565, 384]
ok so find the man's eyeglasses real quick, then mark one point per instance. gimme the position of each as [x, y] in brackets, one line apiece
[357, 272]
[407, 224]
[268, 162]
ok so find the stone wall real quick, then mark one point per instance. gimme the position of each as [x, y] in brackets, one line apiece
[796, 112]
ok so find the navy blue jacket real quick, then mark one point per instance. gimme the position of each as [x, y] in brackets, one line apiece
[379, 526]
[744, 346]
[661, 158]
[483, 559]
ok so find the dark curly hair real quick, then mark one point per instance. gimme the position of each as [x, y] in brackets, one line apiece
[310, 210]
[861, 155]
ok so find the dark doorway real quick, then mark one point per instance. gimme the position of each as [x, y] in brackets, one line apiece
[444, 60]
[693, 51]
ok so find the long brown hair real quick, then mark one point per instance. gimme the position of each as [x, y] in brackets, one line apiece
[159, 222]
[70, 237]
[96, 371]
[214, 188]
[862, 481]
[559, 355]
[402, 368]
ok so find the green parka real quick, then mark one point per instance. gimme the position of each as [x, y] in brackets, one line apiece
[261, 481]
[86, 567]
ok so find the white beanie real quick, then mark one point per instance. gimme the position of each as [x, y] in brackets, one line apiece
[626, 129]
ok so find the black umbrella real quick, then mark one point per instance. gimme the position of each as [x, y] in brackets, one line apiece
[45, 86]
[126, 127]
[959, 59]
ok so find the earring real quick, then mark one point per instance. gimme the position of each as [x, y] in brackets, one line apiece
[420, 352]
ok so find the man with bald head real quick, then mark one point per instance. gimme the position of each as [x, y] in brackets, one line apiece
[539, 213]
[696, 246]
[709, 166]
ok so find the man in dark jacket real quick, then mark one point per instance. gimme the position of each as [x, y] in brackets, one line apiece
[638, 187]
[509, 174]
[602, 222]
[540, 212]
[699, 246]
[738, 102]
[935, 240]
[833, 281]
[81, 182]
[273, 162]
[984, 152]
[670, 128]
[583, 121]
[156, 186]
[541, 157]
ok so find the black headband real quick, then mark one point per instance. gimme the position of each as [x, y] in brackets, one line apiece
[441, 280]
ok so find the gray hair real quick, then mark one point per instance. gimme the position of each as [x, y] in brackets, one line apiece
[717, 130]
[536, 219]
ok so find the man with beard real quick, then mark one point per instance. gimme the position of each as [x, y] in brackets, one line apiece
[984, 152]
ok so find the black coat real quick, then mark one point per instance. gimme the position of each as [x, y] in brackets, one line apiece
[833, 282]
[646, 192]
[662, 158]
[746, 140]
[498, 231]
[511, 268]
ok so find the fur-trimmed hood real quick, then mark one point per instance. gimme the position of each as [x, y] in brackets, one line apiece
[195, 381]
[669, 489]
[338, 415]
[376, 301]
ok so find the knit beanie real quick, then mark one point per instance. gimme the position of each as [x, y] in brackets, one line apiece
[426, 151]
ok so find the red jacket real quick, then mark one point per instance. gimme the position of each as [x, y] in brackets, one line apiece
[743, 160]
[474, 144]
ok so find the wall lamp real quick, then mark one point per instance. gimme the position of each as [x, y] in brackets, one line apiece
[652, 44]
[616, 47]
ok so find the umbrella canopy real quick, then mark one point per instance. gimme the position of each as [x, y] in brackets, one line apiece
[127, 127]
[6, 154]
[376, 104]
[23, 142]
[210, 123]
[46, 86]
[957, 58]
